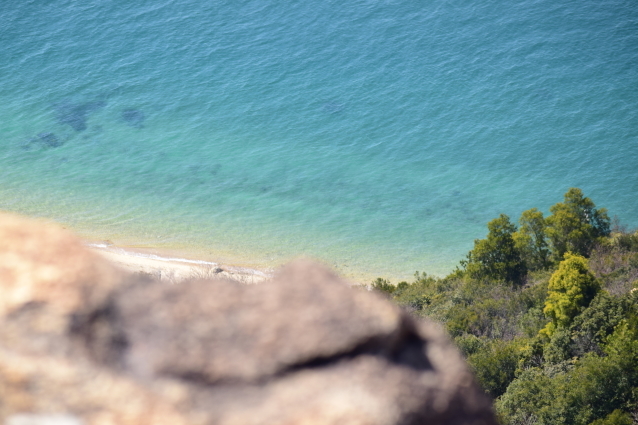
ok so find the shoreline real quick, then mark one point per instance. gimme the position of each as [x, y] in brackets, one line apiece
[176, 263]
[173, 269]
[360, 266]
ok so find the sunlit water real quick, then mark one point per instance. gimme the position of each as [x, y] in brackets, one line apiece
[378, 136]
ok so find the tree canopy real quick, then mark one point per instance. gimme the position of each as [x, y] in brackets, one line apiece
[497, 256]
[576, 225]
[531, 241]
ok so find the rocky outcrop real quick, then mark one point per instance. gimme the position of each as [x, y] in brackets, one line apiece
[81, 343]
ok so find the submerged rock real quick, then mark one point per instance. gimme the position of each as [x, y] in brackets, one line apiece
[80, 339]
[133, 117]
[76, 114]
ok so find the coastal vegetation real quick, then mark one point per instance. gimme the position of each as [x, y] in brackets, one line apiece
[546, 314]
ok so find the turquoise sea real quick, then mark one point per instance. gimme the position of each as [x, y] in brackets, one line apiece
[378, 136]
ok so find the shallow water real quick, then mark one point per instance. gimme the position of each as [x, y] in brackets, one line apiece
[377, 136]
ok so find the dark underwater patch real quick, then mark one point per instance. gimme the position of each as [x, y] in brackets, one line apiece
[47, 140]
[133, 117]
[76, 114]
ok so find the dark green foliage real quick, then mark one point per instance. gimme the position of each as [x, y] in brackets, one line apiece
[401, 286]
[590, 329]
[558, 349]
[531, 242]
[497, 257]
[383, 285]
[576, 225]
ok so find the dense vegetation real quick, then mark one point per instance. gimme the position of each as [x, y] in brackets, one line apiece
[546, 314]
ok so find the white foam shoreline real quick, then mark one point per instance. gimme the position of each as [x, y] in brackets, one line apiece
[174, 269]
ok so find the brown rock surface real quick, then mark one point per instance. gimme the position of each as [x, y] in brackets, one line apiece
[82, 343]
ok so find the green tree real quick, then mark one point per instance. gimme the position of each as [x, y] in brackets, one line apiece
[497, 257]
[571, 288]
[576, 225]
[530, 240]
[529, 398]
[383, 285]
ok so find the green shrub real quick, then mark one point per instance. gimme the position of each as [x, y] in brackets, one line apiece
[469, 344]
[558, 349]
[495, 365]
[590, 390]
[383, 285]
[617, 417]
[590, 329]
[571, 288]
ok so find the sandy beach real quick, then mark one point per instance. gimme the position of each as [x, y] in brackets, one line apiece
[173, 269]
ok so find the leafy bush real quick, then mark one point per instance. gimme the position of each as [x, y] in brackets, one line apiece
[469, 344]
[383, 285]
[495, 365]
[617, 417]
[590, 329]
[571, 288]
[592, 389]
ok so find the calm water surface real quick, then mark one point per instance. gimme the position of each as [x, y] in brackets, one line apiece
[378, 136]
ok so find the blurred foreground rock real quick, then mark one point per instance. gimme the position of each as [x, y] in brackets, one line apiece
[80, 343]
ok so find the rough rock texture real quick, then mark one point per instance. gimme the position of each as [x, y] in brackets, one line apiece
[82, 344]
